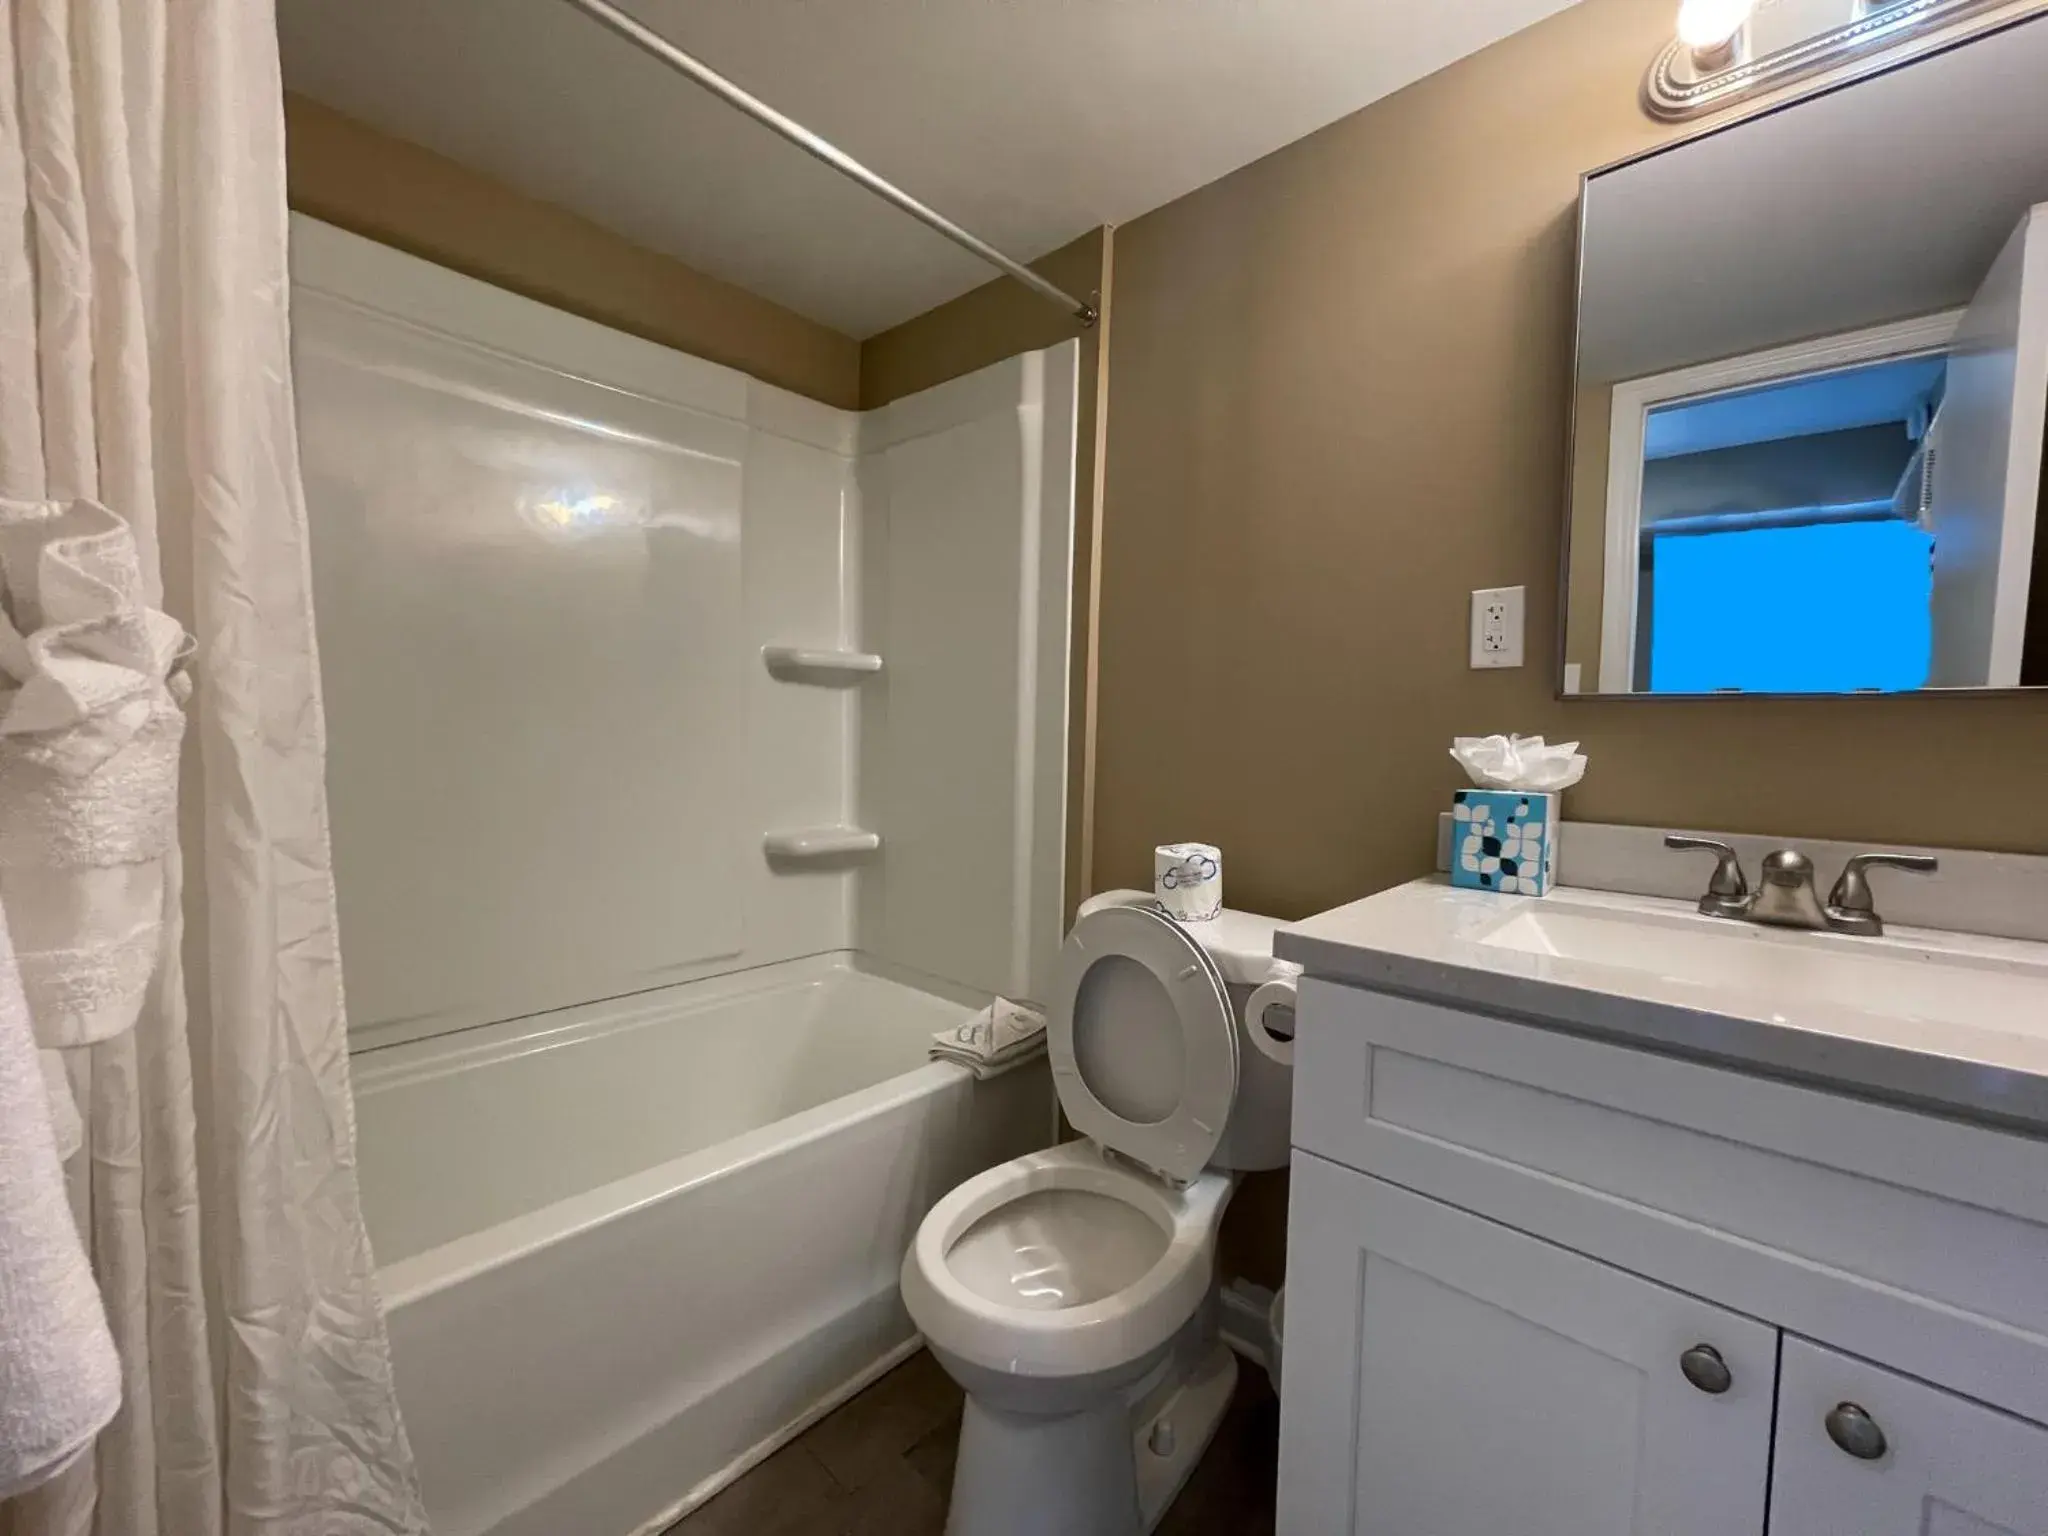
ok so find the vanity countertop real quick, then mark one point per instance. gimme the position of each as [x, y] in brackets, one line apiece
[1952, 1022]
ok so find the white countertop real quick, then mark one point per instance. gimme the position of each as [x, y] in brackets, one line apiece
[1953, 1022]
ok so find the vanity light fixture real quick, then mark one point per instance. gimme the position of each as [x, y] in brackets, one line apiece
[1710, 64]
[1712, 30]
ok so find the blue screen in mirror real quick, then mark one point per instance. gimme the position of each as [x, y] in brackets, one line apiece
[1848, 609]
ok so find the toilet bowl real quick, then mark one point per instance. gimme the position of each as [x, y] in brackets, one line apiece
[1061, 1273]
[1069, 1291]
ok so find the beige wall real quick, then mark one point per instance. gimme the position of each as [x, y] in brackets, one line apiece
[349, 174]
[999, 320]
[1338, 402]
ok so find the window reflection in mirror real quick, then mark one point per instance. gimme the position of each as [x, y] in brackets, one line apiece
[1812, 394]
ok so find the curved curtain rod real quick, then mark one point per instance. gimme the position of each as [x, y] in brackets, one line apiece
[650, 41]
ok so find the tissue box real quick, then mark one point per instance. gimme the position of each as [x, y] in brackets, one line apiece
[1503, 840]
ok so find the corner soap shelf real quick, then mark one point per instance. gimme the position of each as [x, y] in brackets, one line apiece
[813, 844]
[801, 664]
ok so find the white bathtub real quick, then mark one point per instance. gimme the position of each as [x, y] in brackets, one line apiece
[626, 1249]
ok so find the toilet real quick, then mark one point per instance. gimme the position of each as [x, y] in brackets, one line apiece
[1070, 1291]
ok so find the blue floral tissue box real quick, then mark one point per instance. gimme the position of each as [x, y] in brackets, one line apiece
[1503, 840]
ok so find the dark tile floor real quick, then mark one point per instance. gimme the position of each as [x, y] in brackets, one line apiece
[882, 1465]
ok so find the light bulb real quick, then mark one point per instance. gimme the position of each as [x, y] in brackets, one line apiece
[1707, 25]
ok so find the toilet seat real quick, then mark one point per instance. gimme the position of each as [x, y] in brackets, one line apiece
[1065, 1341]
[1134, 995]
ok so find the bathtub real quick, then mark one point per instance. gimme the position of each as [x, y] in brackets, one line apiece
[627, 1249]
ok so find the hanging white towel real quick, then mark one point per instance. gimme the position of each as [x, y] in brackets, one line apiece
[59, 1379]
[1002, 1036]
[90, 727]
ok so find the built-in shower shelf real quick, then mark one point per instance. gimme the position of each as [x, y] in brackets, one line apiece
[801, 664]
[812, 844]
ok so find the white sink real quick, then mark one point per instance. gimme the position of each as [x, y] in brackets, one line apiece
[1917, 975]
[1953, 1021]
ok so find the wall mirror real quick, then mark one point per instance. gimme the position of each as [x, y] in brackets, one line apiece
[1811, 393]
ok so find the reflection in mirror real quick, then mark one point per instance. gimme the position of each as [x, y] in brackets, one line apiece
[1812, 391]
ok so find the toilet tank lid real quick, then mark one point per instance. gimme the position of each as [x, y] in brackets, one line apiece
[1241, 943]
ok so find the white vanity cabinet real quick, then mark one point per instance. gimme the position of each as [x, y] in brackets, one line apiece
[1912, 1460]
[1522, 1262]
[1454, 1377]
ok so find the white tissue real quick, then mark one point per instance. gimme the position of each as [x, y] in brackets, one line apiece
[1519, 762]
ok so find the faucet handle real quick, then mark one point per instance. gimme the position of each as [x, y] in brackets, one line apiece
[1850, 907]
[1728, 890]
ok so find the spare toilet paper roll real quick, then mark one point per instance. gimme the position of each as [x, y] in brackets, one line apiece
[1269, 1015]
[1188, 880]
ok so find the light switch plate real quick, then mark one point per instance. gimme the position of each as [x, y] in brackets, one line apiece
[1497, 627]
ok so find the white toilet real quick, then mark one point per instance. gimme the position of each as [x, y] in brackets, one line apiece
[1069, 1291]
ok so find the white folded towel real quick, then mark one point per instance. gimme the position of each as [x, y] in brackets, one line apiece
[90, 726]
[1002, 1036]
[60, 1381]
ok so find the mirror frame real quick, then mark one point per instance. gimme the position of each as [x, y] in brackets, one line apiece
[1996, 16]
[1675, 91]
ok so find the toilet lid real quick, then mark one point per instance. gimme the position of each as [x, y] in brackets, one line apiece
[1143, 1048]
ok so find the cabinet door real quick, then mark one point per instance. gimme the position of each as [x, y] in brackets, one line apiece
[1944, 1465]
[1447, 1376]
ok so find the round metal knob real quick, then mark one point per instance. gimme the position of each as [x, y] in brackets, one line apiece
[1705, 1369]
[1855, 1431]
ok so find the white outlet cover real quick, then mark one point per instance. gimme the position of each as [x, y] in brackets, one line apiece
[1497, 626]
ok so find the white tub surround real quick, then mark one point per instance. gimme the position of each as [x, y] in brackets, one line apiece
[967, 503]
[611, 634]
[626, 1253]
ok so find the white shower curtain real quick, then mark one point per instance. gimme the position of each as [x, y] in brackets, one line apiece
[144, 365]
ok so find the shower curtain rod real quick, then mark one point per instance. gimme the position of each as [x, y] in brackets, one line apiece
[650, 41]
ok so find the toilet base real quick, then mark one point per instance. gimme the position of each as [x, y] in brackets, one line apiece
[1111, 1469]
[1175, 1428]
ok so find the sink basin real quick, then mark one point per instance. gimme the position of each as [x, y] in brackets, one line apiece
[1921, 976]
[1956, 1022]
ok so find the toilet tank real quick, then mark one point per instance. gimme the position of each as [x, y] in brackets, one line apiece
[1259, 1134]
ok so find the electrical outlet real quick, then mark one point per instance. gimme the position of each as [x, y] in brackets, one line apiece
[1497, 627]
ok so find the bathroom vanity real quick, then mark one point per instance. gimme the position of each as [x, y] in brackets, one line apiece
[1612, 1217]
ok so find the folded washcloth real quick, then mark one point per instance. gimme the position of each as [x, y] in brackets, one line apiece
[1003, 1035]
[59, 1379]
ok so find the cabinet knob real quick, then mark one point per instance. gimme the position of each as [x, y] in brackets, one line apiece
[1855, 1431]
[1705, 1369]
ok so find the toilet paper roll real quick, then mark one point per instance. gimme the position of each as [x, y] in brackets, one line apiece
[1269, 1020]
[1188, 880]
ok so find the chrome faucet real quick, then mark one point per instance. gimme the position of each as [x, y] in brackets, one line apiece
[1850, 908]
[1727, 892]
[1785, 896]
